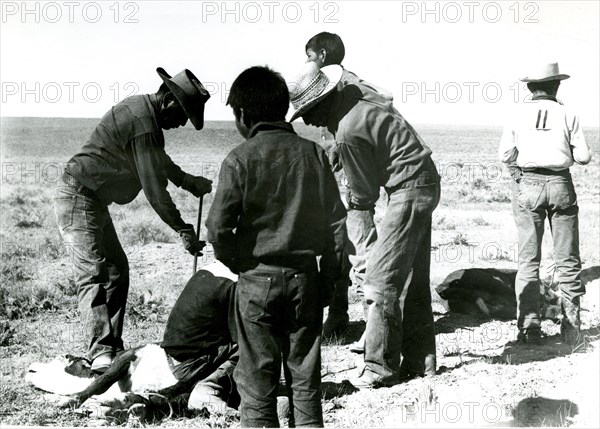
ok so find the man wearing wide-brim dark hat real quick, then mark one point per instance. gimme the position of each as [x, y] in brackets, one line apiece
[124, 154]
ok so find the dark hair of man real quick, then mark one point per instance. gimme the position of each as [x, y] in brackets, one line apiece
[333, 45]
[549, 87]
[261, 93]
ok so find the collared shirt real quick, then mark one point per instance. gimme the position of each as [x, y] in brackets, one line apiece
[125, 154]
[377, 146]
[202, 318]
[349, 78]
[277, 198]
[544, 134]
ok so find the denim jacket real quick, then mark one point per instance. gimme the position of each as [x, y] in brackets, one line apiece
[125, 154]
[377, 146]
[277, 198]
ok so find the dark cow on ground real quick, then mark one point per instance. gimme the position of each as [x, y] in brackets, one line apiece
[490, 292]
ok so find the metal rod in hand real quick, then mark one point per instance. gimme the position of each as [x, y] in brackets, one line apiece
[198, 231]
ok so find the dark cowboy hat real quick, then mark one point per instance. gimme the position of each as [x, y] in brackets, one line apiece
[189, 92]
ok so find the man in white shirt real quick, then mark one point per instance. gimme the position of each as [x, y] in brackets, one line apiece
[540, 144]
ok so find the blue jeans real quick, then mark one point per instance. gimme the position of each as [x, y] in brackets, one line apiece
[279, 319]
[99, 265]
[400, 319]
[541, 194]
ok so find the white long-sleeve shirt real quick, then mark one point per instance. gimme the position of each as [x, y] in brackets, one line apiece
[544, 134]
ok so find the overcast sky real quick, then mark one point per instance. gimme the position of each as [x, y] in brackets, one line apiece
[445, 62]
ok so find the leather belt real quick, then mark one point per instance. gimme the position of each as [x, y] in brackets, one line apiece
[74, 183]
[546, 171]
[301, 263]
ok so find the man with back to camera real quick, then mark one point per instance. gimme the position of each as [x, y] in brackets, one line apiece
[539, 144]
[276, 209]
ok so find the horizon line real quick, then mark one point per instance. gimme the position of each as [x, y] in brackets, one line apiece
[232, 120]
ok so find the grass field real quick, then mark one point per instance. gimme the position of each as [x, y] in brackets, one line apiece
[482, 381]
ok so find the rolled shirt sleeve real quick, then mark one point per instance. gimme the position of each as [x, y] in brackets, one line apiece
[579, 147]
[507, 150]
[358, 160]
[174, 173]
[153, 168]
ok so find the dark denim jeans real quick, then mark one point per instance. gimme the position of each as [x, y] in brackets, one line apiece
[535, 197]
[400, 320]
[362, 235]
[202, 366]
[279, 319]
[99, 265]
[222, 384]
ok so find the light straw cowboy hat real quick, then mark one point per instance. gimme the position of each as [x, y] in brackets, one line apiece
[545, 73]
[189, 92]
[311, 85]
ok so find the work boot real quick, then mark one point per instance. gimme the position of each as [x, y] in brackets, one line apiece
[335, 325]
[358, 346]
[570, 324]
[371, 380]
[410, 370]
[430, 365]
[531, 336]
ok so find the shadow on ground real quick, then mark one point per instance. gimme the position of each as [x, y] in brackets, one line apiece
[551, 347]
[451, 322]
[332, 390]
[329, 390]
[515, 353]
[590, 274]
[540, 411]
[351, 334]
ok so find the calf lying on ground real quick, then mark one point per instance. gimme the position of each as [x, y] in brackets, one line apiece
[490, 292]
[197, 355]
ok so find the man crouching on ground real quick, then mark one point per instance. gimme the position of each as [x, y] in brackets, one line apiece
[124, 154]
[199, 350]
[276, 209]
[200, 337]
